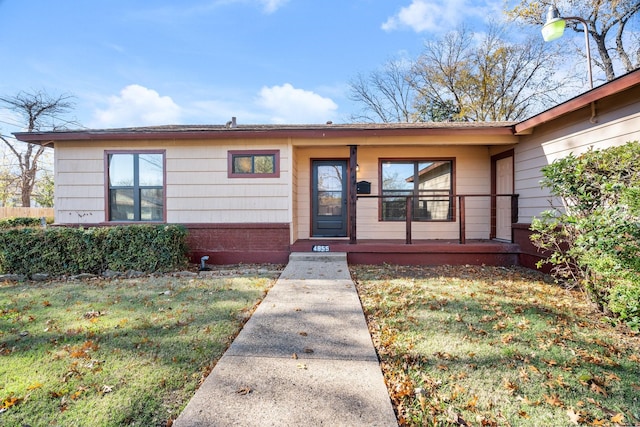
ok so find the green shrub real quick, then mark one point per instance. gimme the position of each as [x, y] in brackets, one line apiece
[593, 241]
[624, 301]
[21, 222]
[62, 250]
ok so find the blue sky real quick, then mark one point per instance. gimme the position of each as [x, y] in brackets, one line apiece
[151, 62]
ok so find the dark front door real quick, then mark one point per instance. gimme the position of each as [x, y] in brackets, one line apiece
[329, 198]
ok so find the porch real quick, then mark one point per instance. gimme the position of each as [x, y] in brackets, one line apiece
[418, 252]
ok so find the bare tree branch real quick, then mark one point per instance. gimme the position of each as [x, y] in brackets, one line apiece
[40, 111]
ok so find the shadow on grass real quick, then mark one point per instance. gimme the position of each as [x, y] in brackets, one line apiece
[118, 352]
[496, 346]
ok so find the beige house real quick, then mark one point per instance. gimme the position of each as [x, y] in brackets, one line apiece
[423, 193]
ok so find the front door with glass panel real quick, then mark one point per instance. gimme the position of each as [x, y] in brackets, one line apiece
[329, 198]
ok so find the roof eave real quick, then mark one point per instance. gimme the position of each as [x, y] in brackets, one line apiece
[331, 131]
[608, 89]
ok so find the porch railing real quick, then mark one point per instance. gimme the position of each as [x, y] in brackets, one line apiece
[461, 205]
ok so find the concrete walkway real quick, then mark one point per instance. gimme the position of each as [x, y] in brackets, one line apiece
[304, 358]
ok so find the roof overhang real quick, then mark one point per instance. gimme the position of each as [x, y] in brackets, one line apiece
[212, 132]
[586, 99]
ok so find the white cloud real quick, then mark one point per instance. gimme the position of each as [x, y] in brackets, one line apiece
[137, 106]
[271, 6]
[438, 16]
[286, 104]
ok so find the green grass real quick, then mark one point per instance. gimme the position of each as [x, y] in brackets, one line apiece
[113, 353]
[487, 346]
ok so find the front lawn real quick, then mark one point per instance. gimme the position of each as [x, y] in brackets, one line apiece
[115, 352]
[487, 346]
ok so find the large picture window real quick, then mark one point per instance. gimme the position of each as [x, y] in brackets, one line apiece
[254, 164]
[136, 186]
[429, 181]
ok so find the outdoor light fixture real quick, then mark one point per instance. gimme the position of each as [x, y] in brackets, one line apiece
[554, 29]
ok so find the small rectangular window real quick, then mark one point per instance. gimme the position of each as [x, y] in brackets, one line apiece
[254, 164]
[429, 182]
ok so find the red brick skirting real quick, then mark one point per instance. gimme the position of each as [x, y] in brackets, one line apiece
[239, 243]
[529, 254]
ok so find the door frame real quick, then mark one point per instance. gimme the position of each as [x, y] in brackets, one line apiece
[494, 184]
[345, 196]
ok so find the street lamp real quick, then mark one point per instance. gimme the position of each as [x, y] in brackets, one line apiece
[554, 28]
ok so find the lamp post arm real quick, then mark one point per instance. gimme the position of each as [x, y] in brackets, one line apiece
[586, 39]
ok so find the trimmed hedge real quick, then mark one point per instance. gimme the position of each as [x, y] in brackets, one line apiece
[7, 223]
[61, 251]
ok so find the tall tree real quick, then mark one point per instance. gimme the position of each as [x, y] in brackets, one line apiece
[612, 24]
[40, 111]
[386, 94]
[486, 78]
[7, 181]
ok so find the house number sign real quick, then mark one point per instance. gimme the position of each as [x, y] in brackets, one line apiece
[320, 248]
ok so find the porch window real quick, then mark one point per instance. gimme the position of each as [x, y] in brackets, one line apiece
[254, 164]
[429, 181]
[136, 186]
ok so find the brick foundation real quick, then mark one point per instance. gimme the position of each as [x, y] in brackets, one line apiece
[239, 243]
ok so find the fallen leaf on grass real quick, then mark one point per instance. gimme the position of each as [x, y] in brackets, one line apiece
[597, 389]
[574, 416]
[92, 314]
[510, 386]
[472, 403]
[10, 401]
[534, 369]
[456, 418]
[553, 400]
[34, 386]
[618, 418]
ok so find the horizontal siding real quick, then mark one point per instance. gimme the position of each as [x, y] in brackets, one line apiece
[198, 188]
[573, 134]
[472, 168]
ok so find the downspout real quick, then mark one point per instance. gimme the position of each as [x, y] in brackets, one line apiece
[594, 113]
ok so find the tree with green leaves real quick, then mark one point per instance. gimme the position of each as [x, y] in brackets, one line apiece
[7, 181]
[613, 26]
[40, 111]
